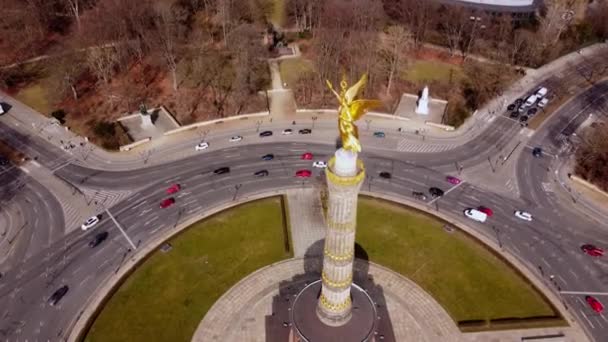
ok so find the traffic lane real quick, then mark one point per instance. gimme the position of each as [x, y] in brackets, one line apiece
[35, 147]
[226, 190]
[43, 215]
[106, 261]
[498, 134]
[533, 247]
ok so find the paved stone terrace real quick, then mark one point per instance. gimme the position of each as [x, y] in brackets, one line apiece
[241, 314]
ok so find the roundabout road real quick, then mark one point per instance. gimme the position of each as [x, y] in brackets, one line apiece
[25, 289]
[549, 245]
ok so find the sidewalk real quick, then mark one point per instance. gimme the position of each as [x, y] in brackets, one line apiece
[586, 200]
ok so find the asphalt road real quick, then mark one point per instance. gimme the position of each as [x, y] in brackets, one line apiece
[25, 289]
[550, 241]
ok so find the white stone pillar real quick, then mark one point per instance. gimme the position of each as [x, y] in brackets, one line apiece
[345, 175]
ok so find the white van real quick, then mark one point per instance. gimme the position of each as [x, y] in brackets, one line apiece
[540, 93]
[476, 215]
[530, 100]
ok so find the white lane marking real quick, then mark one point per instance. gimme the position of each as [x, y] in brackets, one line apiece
[445, 193]
[85, 279]
[587, 319]
[103, 264]
[573, 274]
[139, 205]
[76, 270]
[151, 220]
[171, 180]
[194, 210]
[545, 262]
[144, 212]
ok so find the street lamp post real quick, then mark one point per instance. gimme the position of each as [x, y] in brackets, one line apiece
[236, 191]
[368, 122]
[202, 133]
[121, 230]
[491, 166]
[314, 118]
[257, 125]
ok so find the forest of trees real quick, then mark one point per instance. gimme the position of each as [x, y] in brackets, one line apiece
[205, 58]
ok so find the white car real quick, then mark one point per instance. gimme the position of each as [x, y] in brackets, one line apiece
[287, 131]
[202, 146]
[90, 222]
[476, 215]
[523, 215]
[542, 92]
[236, 138]
[320, 164]
[542, 103]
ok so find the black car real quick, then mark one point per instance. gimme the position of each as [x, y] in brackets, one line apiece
[514, 115]
[305, 131]
[98, 239]
[385, 175]
[523, 118]
[436, 192]
[537, 152]
[532, 111]
[518, 102]
[268, 156]
[266, 134]
[419, 195]
[3, 161]
[261, 173]
[222, 170]
[511, 106]
[57, 295]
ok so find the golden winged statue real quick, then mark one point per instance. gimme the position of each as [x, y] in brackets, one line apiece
[351, 110]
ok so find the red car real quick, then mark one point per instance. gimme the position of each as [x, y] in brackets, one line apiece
[594, 304]
[174, 188]
[307, 156]
[485, 210]
[452, 180]
[167, 202]
[592, 250]
[303, 173]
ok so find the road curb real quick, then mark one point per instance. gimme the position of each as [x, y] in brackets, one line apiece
[94, 304]
[517, 264]
[101, 294]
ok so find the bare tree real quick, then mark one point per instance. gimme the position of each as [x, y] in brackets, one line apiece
[555, 21]
[397, 41]
[224, 11]
[67, 70]
[453, 24]
[73, 7]
[419, 16]
[167, 36]
[102, 61]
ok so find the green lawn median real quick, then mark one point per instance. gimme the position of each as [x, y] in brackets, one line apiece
[167, 296]
[466, 278]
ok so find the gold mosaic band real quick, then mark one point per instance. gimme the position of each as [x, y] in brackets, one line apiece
[344, 226]
[334, 307]
[338, 257]
[345, 181]
[337, 285]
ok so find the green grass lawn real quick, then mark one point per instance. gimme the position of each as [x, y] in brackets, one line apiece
[294, 68]
[36, 96]
[167, 296]
[278, 13]
[463, 276]
[424, 71]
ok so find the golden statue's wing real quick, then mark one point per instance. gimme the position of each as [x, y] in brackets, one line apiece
[352, 92]
[360, 107]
